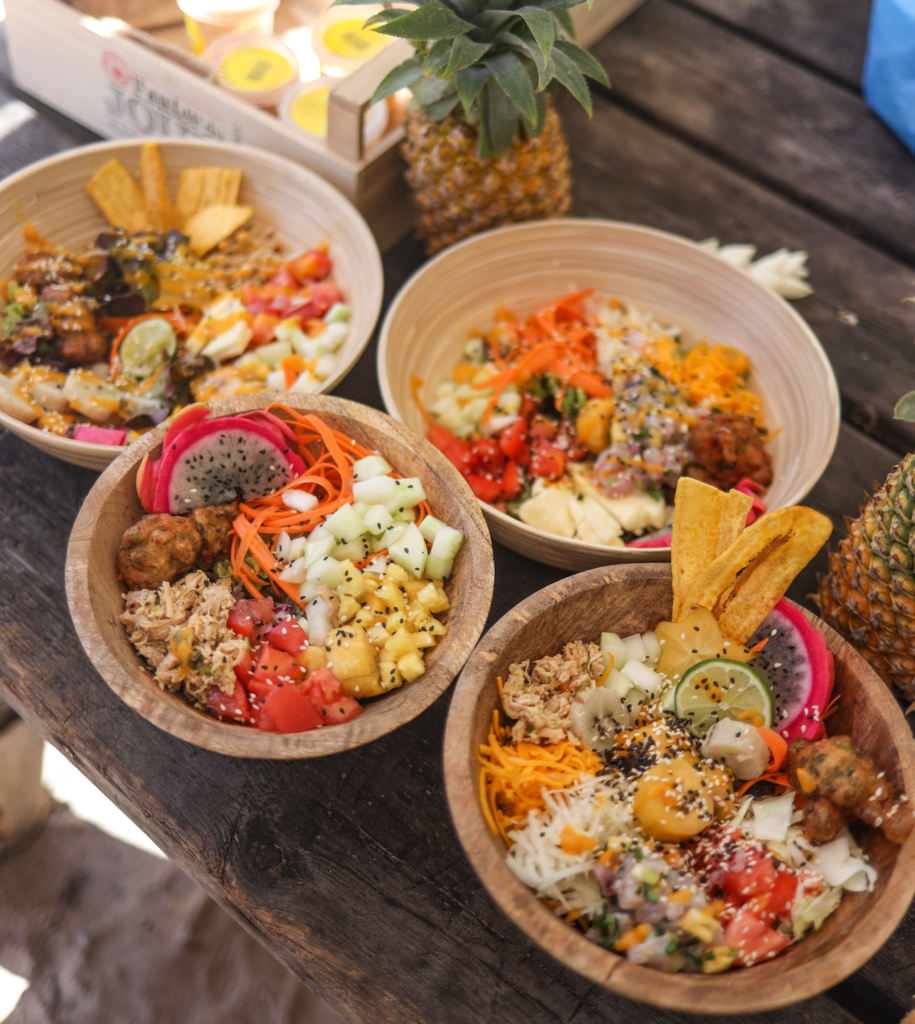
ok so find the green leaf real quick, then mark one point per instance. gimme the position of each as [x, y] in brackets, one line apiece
[436, 59]
[430, 90]
[462, 8]
[542, 28]
[583, 60]
[553, 5]
[533, 130]
[469, 82]
[522, 40]
[566, 25]
[905, 408]
[508, 71]
[464, 53]
[363, 3]
[398, 78]
[431, 21]
[499, 119]
[439, 111]
[567, 74]
[382, 18]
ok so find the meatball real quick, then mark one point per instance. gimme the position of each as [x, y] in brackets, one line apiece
[158, 549]
[83, 347]
[725, 448]
[215, 525]
[43, 268]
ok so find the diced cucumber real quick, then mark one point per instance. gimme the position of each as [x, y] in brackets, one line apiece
[445, 547]
[282, 546]
[390, 536]
[307, 348]
[474, 409]
[371, 465]
[496, 424]
[475, 351]
[652, 647]
[300, 501]
[408, 493]
[276, 380]
[377, 519]
[320, 620]
[509, 403]
[378, 564]
[339, 312]
[320, 548]
[635, 699]
[333, 335]
[295, 572]
[617, 681]
[326, 365]
[325, 572]
[377, 491]
[274, 353]
[409, 551]
[296, 548]
[610, 643]
[345, 524]
[644, 676]
[307, 591]
[355, 550]
[635, 646]
[290, 332]
[429, 527]
[306, 383]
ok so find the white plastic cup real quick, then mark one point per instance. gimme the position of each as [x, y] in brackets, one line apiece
[342, 44]
[209, 20]
[253, 68]
[305, 108]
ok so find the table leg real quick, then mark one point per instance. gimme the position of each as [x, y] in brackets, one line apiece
[24, 802]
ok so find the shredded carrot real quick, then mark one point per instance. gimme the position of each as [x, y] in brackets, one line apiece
[756, 648]
[776, 778]
[777, 747]
[415, 384]
[329, 457]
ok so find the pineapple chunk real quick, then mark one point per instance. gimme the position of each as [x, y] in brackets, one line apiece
[395, 574]
[351, 658]
[353, 583]
[314, 657]
[393, 598]
[411, 666]
[433, 598]
[401, 643]
[349, 609]
[413, 587]
[365, 617]
[371, 581]
[378, 635]
[390, 674]
[394, 621]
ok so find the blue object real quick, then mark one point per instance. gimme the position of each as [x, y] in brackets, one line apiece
[889, 66]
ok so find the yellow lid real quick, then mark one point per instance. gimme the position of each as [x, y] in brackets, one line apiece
[348, 39]
[308, 111]
[256, 69]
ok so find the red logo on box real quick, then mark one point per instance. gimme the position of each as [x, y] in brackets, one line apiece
[116, 68]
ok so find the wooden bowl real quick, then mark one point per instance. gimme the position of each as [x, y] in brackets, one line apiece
[302, 208]
[524, 266]
[96, 596]
[633, 598]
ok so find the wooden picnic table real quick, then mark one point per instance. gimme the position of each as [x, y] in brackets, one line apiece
[740, 119]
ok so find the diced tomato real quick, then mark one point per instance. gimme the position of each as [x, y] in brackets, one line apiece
[231, 708]
[343, 710]
[263, 328]
[542, 428]
[487, 456]
[261, 719]
[248, 616]
[485, 489]
[752, 938]
[322, 688]
[547, 461]
[290, 709]
[441, 437]
[756, 878]
[315, 305]
[312, 266]
[275, 666]
[284, 278]
[287, 635]
[244, 667]
[511, 480]
[513, 440]
[777, 901]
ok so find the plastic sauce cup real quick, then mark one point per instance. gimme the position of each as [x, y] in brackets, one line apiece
[305, 108]
[209, 20]
[255, 69]
[342, 44]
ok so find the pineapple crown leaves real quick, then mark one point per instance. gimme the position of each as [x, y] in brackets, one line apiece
[497, 59]
[905, 408]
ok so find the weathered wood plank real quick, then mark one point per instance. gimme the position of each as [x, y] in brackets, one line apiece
[628, 170]
[775, 121]
[828, 37]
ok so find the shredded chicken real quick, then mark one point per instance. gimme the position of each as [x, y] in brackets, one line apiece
[541, 700]
[181, 630]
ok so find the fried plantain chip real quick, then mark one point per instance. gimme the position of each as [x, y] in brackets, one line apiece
[159, 210]
[115, 192]
[199, 187]
[742, 585]
[706, 522]
[209, 226]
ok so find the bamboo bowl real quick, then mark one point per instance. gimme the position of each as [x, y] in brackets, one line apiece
[633, 598]
[96, 599]
[524, 266]
[302, 208]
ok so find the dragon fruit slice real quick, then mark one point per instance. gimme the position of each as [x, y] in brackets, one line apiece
[798, 666]
[218, 460]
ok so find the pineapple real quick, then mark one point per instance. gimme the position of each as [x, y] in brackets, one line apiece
[484, 143]
[869, 592]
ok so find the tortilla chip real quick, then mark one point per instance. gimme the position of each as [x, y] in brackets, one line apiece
[209, 226]
[115, 192]
[742, 585]
[706, 522]
[199, 187]
[155, 189]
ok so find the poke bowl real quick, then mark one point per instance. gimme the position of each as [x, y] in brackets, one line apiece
[456, 301]
[291, 213]
[113, 511]
[630, 599]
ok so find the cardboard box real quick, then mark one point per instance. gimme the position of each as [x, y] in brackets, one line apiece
[121, 80]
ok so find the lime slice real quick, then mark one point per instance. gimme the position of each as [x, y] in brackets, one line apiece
[720, 688]
[146, 346]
